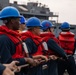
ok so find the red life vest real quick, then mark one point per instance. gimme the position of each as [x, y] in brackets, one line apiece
[48, 35]
[15, 38]
[67, 41]
[37, 40]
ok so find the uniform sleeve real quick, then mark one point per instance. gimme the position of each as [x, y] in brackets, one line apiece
[7, 49]
[2, 68]
[52, 45]
[32, 48]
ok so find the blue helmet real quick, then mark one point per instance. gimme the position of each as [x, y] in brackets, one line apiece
[33, 22]
[22, 20]
[9, 11]
[65, 25]
[0, 13]
[46, 24]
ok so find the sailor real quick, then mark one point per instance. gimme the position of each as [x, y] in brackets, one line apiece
[67, 42]
[10, 43]
[54, 50]
[34, 43]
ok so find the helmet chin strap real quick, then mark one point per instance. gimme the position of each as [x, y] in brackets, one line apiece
[49, 29]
